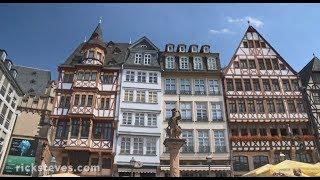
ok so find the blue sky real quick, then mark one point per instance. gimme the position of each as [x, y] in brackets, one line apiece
[44, 35]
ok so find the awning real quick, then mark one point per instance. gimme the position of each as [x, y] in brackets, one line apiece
[198, 168]
[140, 170]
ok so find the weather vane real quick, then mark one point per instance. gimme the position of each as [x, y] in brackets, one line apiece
[85, 38]
[100, 20]
[248, 22]
[313, 55]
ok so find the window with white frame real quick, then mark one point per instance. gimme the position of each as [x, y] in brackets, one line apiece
[130, 76]
[147, 59]
[151, 146]
[127, 118]
[194, 49]
[212, 63]
[184, 63]
[142, 76]
[186, 111]
[170, 84]
[137, 58]
[182, 49]
[139, 119]
[203, 139]
[128, 95]
[141, 96]
[197, 63]
[188, 136]
[199, 87]
[153, 78]
[219, 141]
[169, 107]
[153, 97]
[201, 111]
[170, 62]
[125, 145]
[206, 49]
[137, 145]
[185, 86]
[213, 87]
[170, 48]
[152, 120]
[216, 111]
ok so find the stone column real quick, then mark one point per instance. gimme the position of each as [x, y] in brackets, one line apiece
[174, 146]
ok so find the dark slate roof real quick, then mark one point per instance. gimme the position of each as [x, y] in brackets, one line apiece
[31, 78]
[312, 66]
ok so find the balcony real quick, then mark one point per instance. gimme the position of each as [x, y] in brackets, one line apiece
[204, 149]
[187, 149]
[200, 92]
[220, 149]
[170, 92]
[185, 92]
[202, 119]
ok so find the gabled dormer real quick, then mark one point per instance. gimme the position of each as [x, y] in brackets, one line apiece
[181, 48]
[193, 48]
[205, 49]
[3, 55]
[169, 48]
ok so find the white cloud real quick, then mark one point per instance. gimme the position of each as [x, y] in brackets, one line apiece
[222, 31]
[254, 21]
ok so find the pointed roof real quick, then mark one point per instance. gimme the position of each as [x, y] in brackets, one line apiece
[252, 29]
[312, 66]
[97, 37]
[146, 39]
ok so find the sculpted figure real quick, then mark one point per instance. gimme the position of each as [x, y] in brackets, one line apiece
[174, 130]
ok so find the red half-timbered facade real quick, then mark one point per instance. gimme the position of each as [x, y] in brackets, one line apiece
[84, 112]
[266, 116]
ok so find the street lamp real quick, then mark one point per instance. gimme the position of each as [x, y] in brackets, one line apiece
[53, 163]
[209, 161]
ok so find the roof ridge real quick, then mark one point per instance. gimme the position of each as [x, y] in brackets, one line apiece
[32, 68]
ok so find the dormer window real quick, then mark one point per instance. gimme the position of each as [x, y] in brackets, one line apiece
[184, 63]
[182, 49]
[8, 64]
[99, 55]
[137, 58]
[206, 49]
[194, 49]
[170, 48]
[144, 46]
[147, 59]
[197, 63]
[91, 54]
[212, 63]
[34, 73]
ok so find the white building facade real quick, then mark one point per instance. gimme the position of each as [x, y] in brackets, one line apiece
[139, 108]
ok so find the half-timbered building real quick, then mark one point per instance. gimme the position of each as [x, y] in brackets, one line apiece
[266, 116]
[84, 112]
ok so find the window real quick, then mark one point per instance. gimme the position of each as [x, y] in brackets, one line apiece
[216, 111]
[316, 97]
[186, 111]
[280, 106]
[236, 64]
[257, 44]
[62, 130]
[128, 95]
[199, 86]
[152, 120]
[219, 141]
[169, 62]
[80, 75]
[271, 107]
[261, 64]
[242, 106]
[153, 78]
[188, 136]
[89, 103]
[93, 76]
[182, 49]
[253, 132]
[244, 132]
[184, 63]
[153, 97]
[305, 131]
[245, 44]
[185, 86]
[91, 54]
[139, 119]
[259, 161]
[243, 64]
[9, 116]
[68, 78]
[304, 157]
[169, 107]
[205, 49]
[203, 139]
[13, 103]
[127, 118]
[274, 132]
[104, 103]
[130, 76]
[256, 85]
[85, 129]
[213, 87]
[197, 63]
[107, 79]
[238, 85]
[295, 131]
[252, 64]
[283, 132]
[251, 106]
[102, 131]
[232, 106]
[263, 132]
[99, 55]
[277, 158]
[125, 145]
[286, 85]
[106, 163]
[201, 112]
[4, 87]
[65, 102]
[147, 59]
[142, 77]
[86, 76]
[76, 100]
[260, 106]
[266, 84]
[300, 107]
[170, 86]
[291, 106]
[3, 113]
[75, 125]
[268, 64]
[240, 163]
[275, 64]
[230, 86]
[137, 145]
[194, 49]
[137, 58]
[263, 44]
[141, 96]
[295, 85]
[247, 85]
[212, 64]
[170, 48]
[151, 146]
[275, 84]
[234, 132]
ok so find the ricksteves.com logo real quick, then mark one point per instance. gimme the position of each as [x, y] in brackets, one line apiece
[56, 168]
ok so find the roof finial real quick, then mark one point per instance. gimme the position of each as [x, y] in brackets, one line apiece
[85, 38]
[248, 22]
[100, 20]
[130, 41]
[313, 55]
